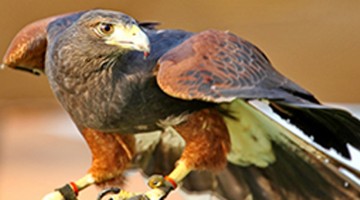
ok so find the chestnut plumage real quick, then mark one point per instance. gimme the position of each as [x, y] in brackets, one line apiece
[203, 86]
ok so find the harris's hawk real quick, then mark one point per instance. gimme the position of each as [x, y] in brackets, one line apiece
[209, 94]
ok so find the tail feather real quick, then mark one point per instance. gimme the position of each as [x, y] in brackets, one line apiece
[300, 170]
[331, 128]
[290, 177]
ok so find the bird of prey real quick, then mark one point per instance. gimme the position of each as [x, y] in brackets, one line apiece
[191, 110]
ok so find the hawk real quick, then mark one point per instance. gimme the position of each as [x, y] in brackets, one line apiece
[224, 119]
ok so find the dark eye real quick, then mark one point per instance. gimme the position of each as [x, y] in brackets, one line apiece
[105, 29]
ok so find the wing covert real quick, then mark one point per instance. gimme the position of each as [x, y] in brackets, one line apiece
[218, 66]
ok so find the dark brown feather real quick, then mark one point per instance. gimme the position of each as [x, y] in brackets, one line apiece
[218, 66]
[295, 175]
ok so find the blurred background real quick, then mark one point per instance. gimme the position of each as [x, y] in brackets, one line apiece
[314, 43]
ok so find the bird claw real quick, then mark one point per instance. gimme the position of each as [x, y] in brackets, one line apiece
[160, 189]
[139, 197]
[116, 194]
[153, 194]
[107, 191]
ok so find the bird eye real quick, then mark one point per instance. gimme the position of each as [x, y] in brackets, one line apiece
[105, 29]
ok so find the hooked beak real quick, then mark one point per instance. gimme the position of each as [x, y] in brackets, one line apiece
[130, 37]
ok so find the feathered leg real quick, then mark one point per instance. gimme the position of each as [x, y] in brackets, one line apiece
[206, 149]
[111, 155]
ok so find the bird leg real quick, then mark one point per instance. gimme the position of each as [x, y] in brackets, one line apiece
[111, 155]
[207, 144]
[71, 190]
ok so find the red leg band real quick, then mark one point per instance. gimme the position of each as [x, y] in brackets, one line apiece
[75, 188]
[170, 180]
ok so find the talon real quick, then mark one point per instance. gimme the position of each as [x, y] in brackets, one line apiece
[157, 193]
[160, 188]
[153, 194]
[139, 197]
[107, 191]
[118, 194]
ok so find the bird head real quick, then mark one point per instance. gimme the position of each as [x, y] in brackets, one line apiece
[100, 29]
[116, 29]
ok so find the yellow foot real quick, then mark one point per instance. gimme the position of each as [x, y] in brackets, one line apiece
[161, 187]
[154, 194]
[116, 194]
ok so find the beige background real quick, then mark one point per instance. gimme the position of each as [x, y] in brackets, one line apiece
[315, 43]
